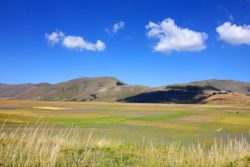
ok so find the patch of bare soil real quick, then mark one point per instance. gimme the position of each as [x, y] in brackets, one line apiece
[51, 108]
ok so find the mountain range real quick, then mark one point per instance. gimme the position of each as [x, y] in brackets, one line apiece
[109, 89]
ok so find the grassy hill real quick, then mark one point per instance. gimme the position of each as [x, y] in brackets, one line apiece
[232, 85]
[82, 89]
[174, 94]
[109, 89]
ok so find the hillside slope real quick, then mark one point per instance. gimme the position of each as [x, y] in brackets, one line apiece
[109, 89]
[229, 98]
[188, 94]
[82, 89]
[231, 85]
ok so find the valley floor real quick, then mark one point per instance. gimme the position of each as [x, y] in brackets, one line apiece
[131, 123]
[42, 133]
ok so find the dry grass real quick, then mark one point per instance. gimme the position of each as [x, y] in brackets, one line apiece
[128, 123]
[42, 145]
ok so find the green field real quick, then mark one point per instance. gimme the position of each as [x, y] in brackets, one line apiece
[131, 123]
[51, 134]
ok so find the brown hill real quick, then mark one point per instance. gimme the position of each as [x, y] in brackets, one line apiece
[174, 94]
[111, 89]
[229, 85]
[82, 89]
[228, 98]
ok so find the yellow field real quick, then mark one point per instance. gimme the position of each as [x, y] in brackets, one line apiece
[40, 133]
[131, 123]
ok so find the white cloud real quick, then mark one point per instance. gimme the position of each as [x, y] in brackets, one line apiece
[234, 34]
[54, 37]
[173, 38]
[74, 42]
[116, 27]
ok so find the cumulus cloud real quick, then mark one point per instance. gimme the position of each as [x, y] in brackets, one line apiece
[74, 42]
[116, 27]
[54, 37]
[170, 37]
[234, 34]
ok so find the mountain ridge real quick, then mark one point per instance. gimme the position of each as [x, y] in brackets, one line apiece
[111, 89]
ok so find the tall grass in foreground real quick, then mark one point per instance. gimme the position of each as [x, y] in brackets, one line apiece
[41, 145]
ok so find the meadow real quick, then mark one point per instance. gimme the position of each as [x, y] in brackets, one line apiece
[41, 133]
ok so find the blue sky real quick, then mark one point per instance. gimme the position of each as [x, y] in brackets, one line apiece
[182, 43]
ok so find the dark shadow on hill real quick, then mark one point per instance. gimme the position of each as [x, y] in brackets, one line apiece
[172, 94]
